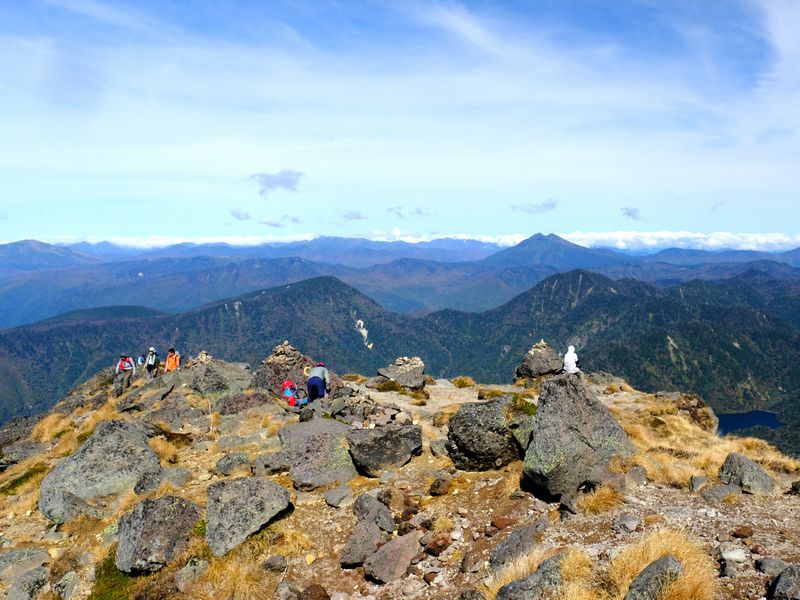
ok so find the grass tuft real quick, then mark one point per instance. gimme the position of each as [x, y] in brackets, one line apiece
[601, 500]
[110, 583]
[463, 381]
[519, 568]
[35, 473]
[390, 385]
[697, 581]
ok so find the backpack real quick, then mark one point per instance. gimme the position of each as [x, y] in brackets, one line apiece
[125, 364]
[289, 388]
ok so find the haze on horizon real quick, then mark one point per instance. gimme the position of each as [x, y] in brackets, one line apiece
[632, 124]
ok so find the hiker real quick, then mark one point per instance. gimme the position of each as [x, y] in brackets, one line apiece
[152, 362]
[173, 361]
[319, 382]
[140, 360]
[125, 369]
[571, 361]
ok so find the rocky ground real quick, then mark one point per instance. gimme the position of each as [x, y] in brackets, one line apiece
[203, 485]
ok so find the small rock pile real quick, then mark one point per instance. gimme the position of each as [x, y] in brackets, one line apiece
[408, 373]
[540, 361]
[286, 362]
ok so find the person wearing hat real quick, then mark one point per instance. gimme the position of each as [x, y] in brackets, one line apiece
[173, 361]
[152, 362]
[319, 382]
[126, 368]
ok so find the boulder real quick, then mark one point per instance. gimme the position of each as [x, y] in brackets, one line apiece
[544, 580]
[270, 463]
[479, 437]
[540, 361]
[655, 577]
[339, 496]
[370, 509]
[750, 477]
[175, 415]
[15, 563]
[376, 450]
[239, 507]
[237, 403]
[316, 453]
[407, 372]
[572, 435]
[363, 543]
[28, 585]
[154, 533]
[110, 462]
[787, 585]
[771, 566]
[698, 412]
[520, 542]
[194, 569]
[230, 463]
[217, 377]
[392, 560]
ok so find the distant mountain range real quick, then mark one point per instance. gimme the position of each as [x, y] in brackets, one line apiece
[38, 281]
[736, 342]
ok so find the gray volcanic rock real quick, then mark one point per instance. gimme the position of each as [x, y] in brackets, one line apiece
[28, 585]
[230, 463]
[540, 360]
[743, 472]
[216, 376]
[376, 450]
[521, 541]
[270, 463]
[15, 563]
[239, 507]
[237, 403]
[479, 436]
[392, 560]
[656, 576]
[370, 509]
[787, 585]
[316, 453]
[154, 533]
[408, 372]
[546, 578]
[363, 543]
[111, 461]
[573, 433]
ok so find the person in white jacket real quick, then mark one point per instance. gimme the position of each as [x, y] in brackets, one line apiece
[571, 361]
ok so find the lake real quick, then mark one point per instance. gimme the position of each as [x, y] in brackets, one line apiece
[733, 421]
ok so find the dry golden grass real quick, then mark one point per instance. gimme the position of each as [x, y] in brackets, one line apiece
[697, 581]
[167, 452]
[601, 500]
[488, 394]
[510, 482]
[521, 567]
[289, 540]
[355, 377]
[51, 426]
[673, 448]
[233, 579]
[463, 382]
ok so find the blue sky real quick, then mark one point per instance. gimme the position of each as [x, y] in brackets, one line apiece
[633, 123]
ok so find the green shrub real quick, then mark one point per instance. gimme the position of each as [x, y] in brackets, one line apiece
[110, 583]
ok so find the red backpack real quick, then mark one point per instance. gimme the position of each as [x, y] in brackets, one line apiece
[289, 388]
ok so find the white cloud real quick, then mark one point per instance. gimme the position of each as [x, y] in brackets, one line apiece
[286, 179]
[631, 213]
[352, 215]
[240, 215]
[535, 209]
[658, 240]
[279, 221]
[105, 13]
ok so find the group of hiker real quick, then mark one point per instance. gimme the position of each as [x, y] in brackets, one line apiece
[126, 367]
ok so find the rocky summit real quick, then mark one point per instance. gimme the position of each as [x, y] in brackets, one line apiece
[205, 484]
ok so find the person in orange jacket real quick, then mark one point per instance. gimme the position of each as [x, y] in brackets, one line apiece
[173, 361]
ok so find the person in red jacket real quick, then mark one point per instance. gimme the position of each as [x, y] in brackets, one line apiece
[126, 368]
